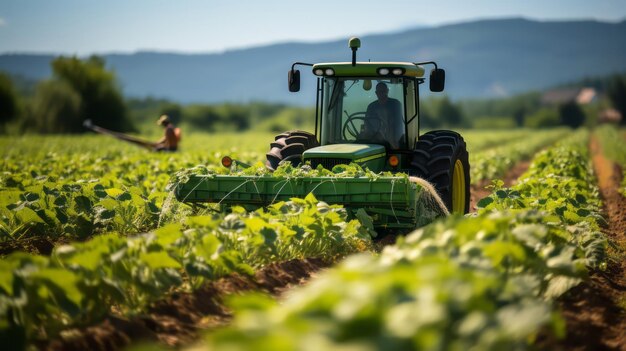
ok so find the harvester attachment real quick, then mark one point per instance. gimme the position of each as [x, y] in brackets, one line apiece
[394, 202]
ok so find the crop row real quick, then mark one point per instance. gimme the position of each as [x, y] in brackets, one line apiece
[484, 282]
[559, 182]
[479, 140]
[74, 187]
[93, 188]
[614, 147]
[81, 283]
[494, 162]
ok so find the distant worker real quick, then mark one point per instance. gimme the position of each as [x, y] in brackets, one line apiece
[171, 138]
[383, 119]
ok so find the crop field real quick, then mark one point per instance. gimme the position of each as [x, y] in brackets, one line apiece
[97, 253]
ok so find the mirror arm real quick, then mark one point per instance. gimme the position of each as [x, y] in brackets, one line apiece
[427, 63]
[300, 63]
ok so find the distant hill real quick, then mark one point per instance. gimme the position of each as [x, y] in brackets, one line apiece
[482, 59]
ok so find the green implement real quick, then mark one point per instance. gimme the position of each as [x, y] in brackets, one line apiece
[392, 202]
[366, 113]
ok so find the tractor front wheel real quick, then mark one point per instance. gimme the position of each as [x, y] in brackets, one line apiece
[441, 158]
[289, 146]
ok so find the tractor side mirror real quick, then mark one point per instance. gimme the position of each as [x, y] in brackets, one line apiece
[294, 81]
[437, 80]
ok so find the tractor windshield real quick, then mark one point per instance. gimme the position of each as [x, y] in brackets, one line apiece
[364, 110]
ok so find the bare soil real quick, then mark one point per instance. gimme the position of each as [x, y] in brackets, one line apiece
[479, 191]
[595, 311]
[178, 319]
[36, 245]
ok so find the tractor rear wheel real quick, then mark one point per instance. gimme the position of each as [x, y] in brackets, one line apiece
[289, 146]
[441, 158]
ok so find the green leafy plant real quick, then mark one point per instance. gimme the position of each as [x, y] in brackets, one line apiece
[494, 162]
[78, 283]
[486, 281]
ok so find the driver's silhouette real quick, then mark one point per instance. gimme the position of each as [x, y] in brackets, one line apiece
[383, 119]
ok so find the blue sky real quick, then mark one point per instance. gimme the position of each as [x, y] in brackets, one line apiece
[88, 26]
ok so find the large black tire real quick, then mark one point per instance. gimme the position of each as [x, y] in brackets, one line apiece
[441, 158]
[289, 146]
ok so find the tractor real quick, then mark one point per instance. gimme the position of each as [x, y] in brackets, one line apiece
[366, 113]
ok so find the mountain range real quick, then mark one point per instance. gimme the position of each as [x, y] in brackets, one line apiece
[485, 58]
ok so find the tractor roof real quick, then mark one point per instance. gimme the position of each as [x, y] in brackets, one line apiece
[368, 69]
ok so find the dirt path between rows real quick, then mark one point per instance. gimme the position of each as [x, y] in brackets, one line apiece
[595, 311]
[178, 319]
[478, 191]
[38, 245]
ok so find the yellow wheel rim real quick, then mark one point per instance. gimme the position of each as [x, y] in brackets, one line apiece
[458, 188]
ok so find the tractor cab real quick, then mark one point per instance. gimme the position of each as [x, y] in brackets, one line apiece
[366, 108]
[367, 112]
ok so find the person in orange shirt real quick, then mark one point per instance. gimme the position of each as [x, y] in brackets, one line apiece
[171, 138]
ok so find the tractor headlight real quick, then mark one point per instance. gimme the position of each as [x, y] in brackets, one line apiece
[318, 72]
[329, 72]
[396, 71]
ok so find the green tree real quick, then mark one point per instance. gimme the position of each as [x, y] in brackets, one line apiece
[516, 107]
[570, 114]
[203, 117]
[9, 103]
[427, 120]
[78, 90]
[234, 117]
[239, 119]
[449, 113]
[545, 117]
[56, 108]
[616, 91]
[518, 115]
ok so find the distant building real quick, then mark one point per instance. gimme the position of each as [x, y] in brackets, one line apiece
[586, 96]
[610, 115]
[582, 96]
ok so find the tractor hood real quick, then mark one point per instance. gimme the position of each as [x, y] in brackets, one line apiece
[371, 156]
[355, 152]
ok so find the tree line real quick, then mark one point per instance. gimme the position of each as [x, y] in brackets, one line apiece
[528, 109]
[81, 89]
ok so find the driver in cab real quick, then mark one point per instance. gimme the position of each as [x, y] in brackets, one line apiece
[383, 119]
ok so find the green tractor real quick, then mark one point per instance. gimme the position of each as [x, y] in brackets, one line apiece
[366, 113]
